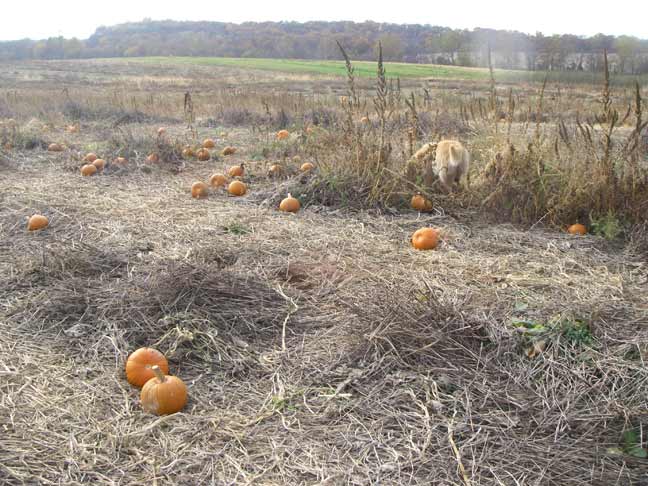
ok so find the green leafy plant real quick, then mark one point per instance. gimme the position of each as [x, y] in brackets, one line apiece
[607, 226]
[632, 444]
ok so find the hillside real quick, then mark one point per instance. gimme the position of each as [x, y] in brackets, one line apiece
[317, 40]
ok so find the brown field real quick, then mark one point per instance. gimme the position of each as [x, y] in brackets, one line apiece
[319, 347]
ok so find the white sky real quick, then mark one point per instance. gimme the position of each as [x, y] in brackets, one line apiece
[79, 18]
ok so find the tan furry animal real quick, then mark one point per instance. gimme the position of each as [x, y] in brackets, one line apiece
[451, 163]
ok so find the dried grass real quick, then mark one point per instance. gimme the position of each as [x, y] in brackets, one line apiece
[319, 348]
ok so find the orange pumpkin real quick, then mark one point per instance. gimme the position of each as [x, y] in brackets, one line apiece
[37, 222]
[309, 130]
[228, 151]
[306, 166]
[237, 188]
[577, 229]
[275, 170]
[283, 134]
[236, 171]
[153, 158]
[208, 143]
[120, 161]
[139, 365]
[218, 180]
[199, 190]
[425, 239]
[88, 170]
[55, 147]
[290, 204]
[91, 157]
[99, 164]
[203, 155]
[421, 203]
[188, 152]
[163, 394]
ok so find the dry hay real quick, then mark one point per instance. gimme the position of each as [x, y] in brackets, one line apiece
[318, 348]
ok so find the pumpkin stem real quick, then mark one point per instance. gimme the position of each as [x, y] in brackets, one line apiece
[158, 372]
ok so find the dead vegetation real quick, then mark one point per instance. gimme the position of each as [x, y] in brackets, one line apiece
[319, 348]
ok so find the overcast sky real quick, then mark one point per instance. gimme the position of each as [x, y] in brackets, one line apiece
[38, 19]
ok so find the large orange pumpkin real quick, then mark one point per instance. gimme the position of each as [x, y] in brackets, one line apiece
[208, 143]
[199, 190]
[55, 147]
[90, 157]
[37, 222]
[228, 151]
[306, 167]
[88, 170]
[218, 180]
[421, 203]
[237, 188]
[283, 134]
[188, 152]
[163, 394]
[99, 164]
[577, 229]
[236, 171]
[425, 239]
[275, 170]
[203, 155]
[290, 204]
[139, 366]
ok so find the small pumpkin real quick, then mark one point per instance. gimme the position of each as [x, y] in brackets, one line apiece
[120, 161]
[283, 134]
[275, 170]
[237, 188]
[228, 151]
[161, 131]
[290, 204]
[199, 190]
[577, 229]
[99, 164]
[139, 365]
[37, 222]
[90, 157]
[163, 394]
[208, 143]
[188, 152]
[55, 147]
[153, 158]
[306, 167]
[421, 203]
[88, 170]
[236, 171]
[309, 130]
[203, 155]
[425, 239]
[218, 180]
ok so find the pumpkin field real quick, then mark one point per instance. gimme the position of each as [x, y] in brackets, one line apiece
[333, 316]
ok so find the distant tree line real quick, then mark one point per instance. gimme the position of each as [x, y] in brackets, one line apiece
[317, 40]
